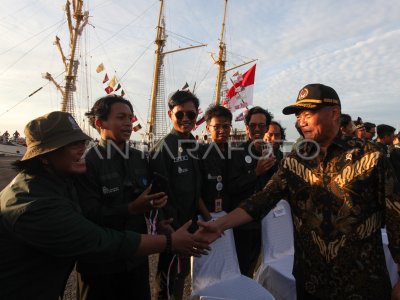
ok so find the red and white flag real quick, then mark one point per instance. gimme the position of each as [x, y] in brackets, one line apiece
[241, 92]
[241, 116]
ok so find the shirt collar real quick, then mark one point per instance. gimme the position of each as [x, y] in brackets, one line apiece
[103, 145]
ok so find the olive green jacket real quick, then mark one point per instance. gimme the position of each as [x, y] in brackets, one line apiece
[42, 233]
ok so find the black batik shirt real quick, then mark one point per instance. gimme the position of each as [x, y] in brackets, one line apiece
[339, 203]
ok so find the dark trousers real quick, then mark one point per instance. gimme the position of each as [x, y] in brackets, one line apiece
[248, 247]
[176, 279]
[120, 286]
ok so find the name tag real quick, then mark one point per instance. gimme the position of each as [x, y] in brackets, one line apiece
[218, 205]
[181, 158]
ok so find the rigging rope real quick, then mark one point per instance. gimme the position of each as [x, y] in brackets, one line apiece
[26, 53]
[30, 95]
[116, 33]
[15, 12]
[15, 46]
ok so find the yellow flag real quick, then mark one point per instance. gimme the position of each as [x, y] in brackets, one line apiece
[100, 68]
[113, 81]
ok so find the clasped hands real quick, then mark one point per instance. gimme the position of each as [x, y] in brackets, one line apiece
[187, 244]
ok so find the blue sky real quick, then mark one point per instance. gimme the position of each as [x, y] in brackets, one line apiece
[352, 46]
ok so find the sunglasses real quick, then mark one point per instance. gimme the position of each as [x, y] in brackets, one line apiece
[191, 115]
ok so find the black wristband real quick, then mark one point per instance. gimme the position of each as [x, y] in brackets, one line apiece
[168, 245]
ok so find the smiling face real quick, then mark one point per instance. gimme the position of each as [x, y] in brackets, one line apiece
[257, 127]
[320, 125]
[67, 160]
[219, 129]
[183, 117]
[118, 126]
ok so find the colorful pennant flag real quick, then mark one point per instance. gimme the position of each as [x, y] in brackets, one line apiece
[105, 78]
[122, 93]
[137, 127]
[185, 87]
[113, 81]
[118, 87]
[241, 92]
[108, 90]
[100, 68]
[134, 119]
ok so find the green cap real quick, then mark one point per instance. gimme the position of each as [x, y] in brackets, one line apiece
[51, 132]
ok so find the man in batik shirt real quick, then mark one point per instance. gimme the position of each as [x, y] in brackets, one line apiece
[340, 192]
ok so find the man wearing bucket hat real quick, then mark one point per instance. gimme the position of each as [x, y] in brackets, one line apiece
[42, 232]
[340, 193]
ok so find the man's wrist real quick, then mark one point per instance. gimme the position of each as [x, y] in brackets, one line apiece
[168, 244]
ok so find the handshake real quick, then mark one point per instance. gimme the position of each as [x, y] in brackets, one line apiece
[191, 239]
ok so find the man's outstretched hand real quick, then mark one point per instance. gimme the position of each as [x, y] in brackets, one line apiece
[209, 231]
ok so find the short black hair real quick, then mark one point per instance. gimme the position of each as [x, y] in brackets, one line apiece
[102, 107]
[217, 111]
[368, 126]
[283, 130]
[383, 130]
[258, 110]
[345, 120]
[181, 97]
[33, 166]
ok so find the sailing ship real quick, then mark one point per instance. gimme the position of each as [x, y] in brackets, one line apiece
[157, 123]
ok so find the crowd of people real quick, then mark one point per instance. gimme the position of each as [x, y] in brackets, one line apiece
[5, 136]
[66, 208]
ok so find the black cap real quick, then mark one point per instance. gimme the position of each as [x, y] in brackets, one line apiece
[312, 97]
[359, 123]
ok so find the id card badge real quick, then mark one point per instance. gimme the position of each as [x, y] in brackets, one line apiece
[218, 205]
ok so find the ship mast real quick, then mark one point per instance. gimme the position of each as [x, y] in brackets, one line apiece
[221, 61]
[70, 63]
[156, 124]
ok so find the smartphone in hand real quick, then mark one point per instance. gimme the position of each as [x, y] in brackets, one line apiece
[159, 183]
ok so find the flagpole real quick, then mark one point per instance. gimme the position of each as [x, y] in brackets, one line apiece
[152, 132]
[160, 42]
[221, 60]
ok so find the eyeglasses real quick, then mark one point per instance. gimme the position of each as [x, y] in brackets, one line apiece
[224, 127]
[191, 115]
[260, 126]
